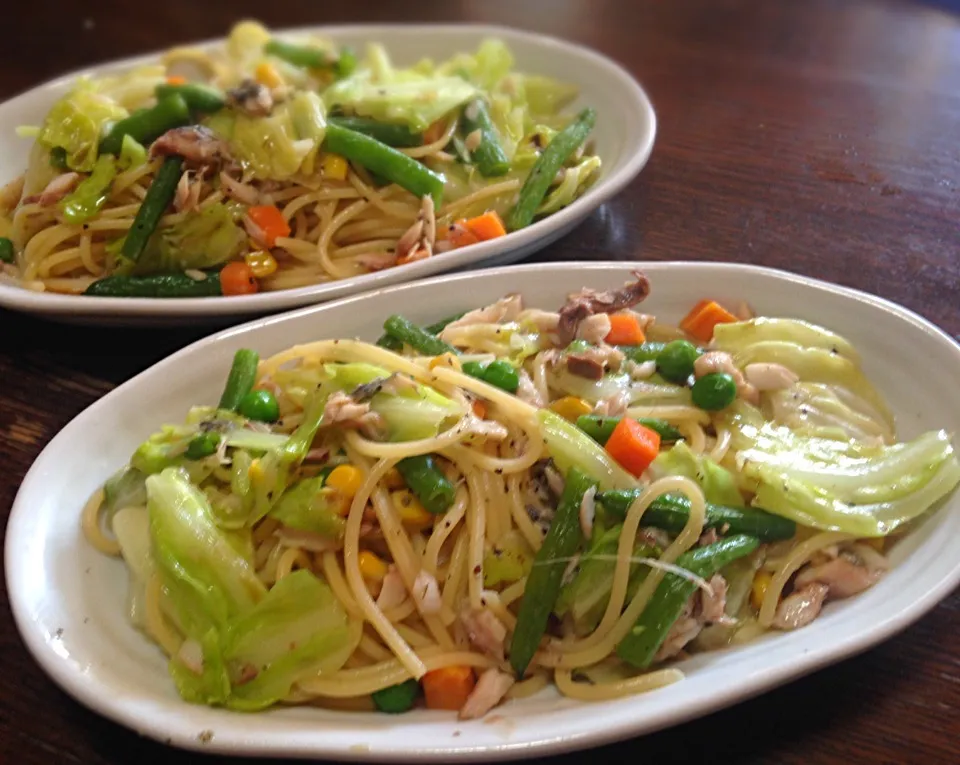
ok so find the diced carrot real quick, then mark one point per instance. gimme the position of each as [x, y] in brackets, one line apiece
[237, 279]
[633, 445]
[703, 317]
[625, 329]
[486, 226]
[459, 235]
[270, 221]
[479, 408]
[435, 131]
[176, 79]
[448, 687]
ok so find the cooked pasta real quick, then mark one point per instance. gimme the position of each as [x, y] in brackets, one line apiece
[509, 499]
[268, 164]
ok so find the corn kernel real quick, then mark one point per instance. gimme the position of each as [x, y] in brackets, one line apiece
[393, 480]
[877, 543]
[758, 591]
[346, 479]
[372, 567]
[255, 471]
[410, 510]
[267, 74]
[571, 407]
[447, 360]
[262, 263]
[334, 167]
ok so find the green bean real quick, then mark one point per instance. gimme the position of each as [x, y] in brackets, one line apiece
[385, 132]
[385, 161]
[643, 352]
[310, 57]
[243, 374]
[199, 97]
[157, 286]
[547, 166]
[416, 337]
[601, 428]
[148, 124]
[546, 576]
[7, 252]
[488, 155]
[392, 344]
[641, 644]
[670, 512]
[427, 481]
[154, 204]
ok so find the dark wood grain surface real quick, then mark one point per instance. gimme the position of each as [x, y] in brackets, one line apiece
[818, 137]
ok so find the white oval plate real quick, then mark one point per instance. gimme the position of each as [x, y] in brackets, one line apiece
[624, 136]
[68, 600]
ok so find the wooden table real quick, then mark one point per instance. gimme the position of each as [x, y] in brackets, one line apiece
[818, 137]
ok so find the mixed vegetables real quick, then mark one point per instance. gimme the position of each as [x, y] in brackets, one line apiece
[229, 171]
[253, 514]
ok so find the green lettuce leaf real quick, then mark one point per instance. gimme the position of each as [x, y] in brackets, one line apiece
[203, 239]
[298, 629]
[88, 198]
[307, 506]
[208, 581]
[571, 447]
[857, 487]
[718, 484]
[77, 122]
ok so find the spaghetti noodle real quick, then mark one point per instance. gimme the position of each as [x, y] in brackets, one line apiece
[368, 516]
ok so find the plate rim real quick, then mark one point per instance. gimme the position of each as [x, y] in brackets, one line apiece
[60, 671]
[637, 154]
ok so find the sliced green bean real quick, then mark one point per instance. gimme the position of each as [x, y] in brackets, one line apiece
[416, 337]
[392, 344]
[545, 169]
[546, 576]
[601, 428]
[501, 374]
[488, 154]
[385, 161]
[156, 286]
[311, 57]
[154, 204]
[146, 125]
[202, 445]
[427, 482]
[392, 135]
[640, 645]
[199, 97]
[670, 513]
[243, 374]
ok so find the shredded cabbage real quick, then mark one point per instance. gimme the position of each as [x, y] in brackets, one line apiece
[718, 484]
[203, 239]
[571, 447]
[575, 180]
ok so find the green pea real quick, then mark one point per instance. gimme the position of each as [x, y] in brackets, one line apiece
[474, 369]
[7, 254]
[202, 445]
[714, 392]
[396, 698]
[260, 405]
[502, 374]
[675, 361]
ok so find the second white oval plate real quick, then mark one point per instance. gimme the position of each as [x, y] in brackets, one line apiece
[68, 600]
[624, 136]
